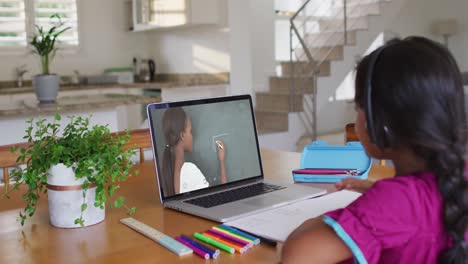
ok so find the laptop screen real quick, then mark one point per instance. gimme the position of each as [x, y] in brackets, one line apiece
[204, 143]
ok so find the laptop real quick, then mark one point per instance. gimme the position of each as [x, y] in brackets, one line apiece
[208, 163]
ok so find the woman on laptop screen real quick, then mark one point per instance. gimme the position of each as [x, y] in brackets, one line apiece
[178, 175]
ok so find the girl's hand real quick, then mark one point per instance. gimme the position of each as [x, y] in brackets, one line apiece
[354, 184]
[221, 150]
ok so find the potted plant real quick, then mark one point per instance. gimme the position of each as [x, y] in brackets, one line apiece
[79, 170]
[46, 85]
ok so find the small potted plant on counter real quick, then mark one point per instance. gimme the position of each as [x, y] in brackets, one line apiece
[79, 167]
[46, 85]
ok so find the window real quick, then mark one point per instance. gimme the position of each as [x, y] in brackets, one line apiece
[12, 23]
[17, 19]
[66, 9]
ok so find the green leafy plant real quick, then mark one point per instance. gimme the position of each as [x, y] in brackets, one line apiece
[94, 154]
[44, 41]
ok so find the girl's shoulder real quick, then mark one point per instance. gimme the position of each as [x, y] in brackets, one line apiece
[424, 179]
[191, 178]
[190, 166]
[404, 199]
[415, 189]
[395, 218]
[191, 170]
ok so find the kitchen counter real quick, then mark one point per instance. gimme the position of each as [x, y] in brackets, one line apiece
[166, 81]
[68, 104]
[84, 87]
[118, 106]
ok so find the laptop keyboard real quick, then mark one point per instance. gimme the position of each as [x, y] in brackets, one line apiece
[234, 195]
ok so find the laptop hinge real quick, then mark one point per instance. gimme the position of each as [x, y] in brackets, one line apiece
[216, 189]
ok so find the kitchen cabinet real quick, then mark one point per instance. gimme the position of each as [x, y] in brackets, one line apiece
[117, 112]
[164, 14]
[72, 93]
[5, 99]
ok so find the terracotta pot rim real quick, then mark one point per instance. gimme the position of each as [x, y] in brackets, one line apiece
[69, 187]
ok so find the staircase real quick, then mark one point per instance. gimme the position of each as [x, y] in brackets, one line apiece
[321, 35]
[274, 106]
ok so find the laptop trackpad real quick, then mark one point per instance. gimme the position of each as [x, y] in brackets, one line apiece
[265, 200]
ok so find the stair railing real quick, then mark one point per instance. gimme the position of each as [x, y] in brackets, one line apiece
[300, 50]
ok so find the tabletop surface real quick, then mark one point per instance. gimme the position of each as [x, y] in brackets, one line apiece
[111, 242]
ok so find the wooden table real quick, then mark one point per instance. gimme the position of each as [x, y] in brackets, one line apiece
[112, 242]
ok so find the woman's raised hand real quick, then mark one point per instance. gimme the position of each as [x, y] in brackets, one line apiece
[221, 150]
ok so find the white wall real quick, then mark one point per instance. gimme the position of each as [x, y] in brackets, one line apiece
[105, 42]
[201, 49]
[194, 49]
[240, 47]
[417, 15]
[16, 127]
[262, 25]
[252, 44]
[242, 44]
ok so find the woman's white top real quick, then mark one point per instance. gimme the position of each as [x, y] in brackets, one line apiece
[191, 178]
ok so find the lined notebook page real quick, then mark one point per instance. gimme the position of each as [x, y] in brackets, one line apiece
[278, 223]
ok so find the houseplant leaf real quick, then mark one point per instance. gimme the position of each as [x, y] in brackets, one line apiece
[93, 153]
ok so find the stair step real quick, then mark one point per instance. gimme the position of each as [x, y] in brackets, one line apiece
[339, 3]
[334, 25]
[323, 39]
[261, 131]
[304, 68]
[271, 122]
[322, 53]
[282, 85]
[356, 10]
[275, 102]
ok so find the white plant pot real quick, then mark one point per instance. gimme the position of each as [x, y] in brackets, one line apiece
[65, 196]
[46, 87]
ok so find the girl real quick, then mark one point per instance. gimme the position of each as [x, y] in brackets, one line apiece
[410, 109]
[180, 176]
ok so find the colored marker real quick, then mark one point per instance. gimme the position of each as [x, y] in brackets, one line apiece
[236, 231]
[234, 235]
[197, 251]
[230, 238]
[237, 248]
[214, 243]
[214, 253]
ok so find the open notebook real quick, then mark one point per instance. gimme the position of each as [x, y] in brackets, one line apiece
[278, 223]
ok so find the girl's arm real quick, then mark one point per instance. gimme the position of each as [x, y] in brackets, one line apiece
[222, 165]
[314, 242]
[354, 184]
[222, 157]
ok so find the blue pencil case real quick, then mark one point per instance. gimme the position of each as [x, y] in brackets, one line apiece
[320, 155]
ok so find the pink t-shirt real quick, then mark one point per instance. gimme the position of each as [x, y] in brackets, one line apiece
[398, 220]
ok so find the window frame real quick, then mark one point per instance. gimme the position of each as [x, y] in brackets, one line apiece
[30, 18]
